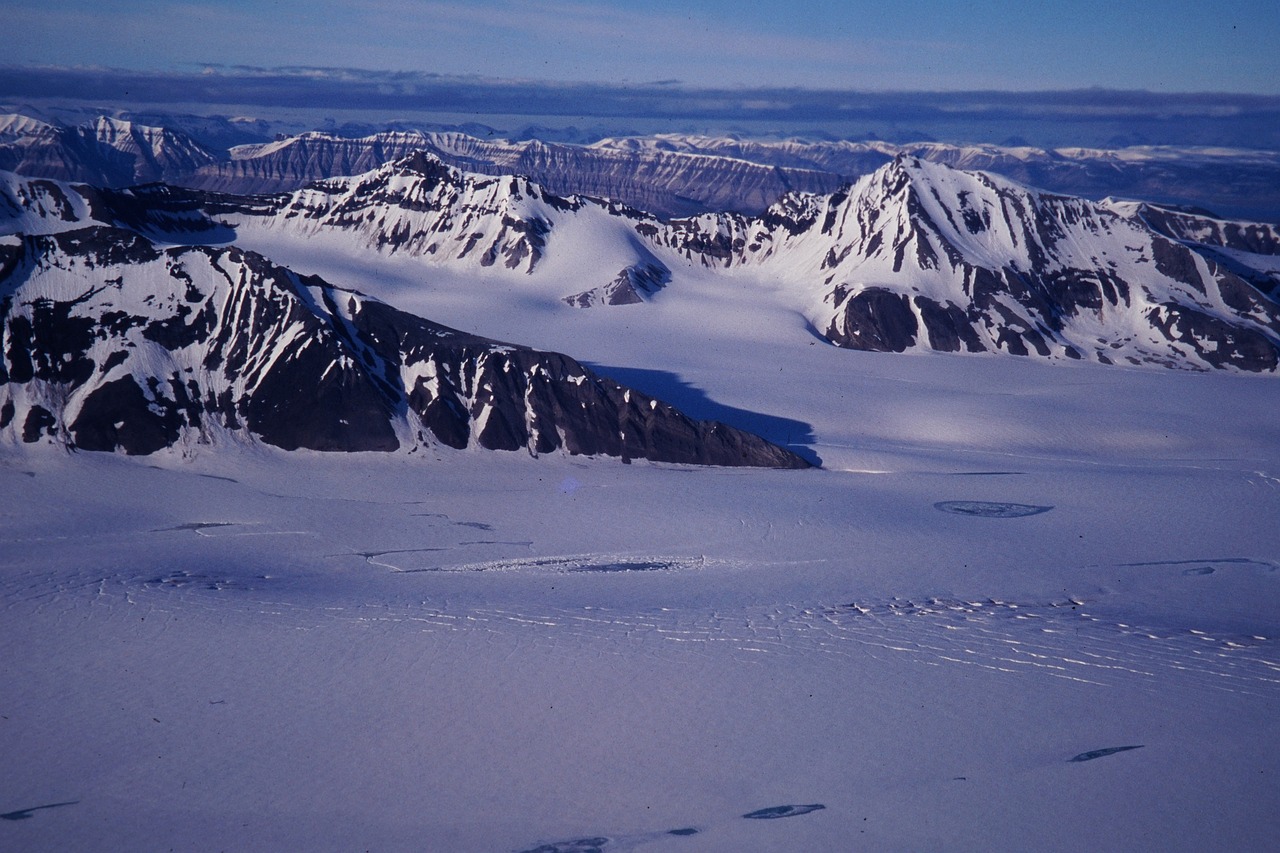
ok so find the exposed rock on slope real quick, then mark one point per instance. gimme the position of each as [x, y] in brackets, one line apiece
[108, 152]
[916, 256]
[420, 206]
[633, 285]
[667, 183]
[112, 343]
[922, 256]
[1249, 249]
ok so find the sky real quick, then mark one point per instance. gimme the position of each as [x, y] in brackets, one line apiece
[903, 45]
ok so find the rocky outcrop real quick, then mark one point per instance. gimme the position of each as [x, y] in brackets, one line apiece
[110, 343]
[634, 285]
[1250, 250]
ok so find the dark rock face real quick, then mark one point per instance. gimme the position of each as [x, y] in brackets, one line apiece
[1216, 341]
[920, 256]
[948, 326]
[875, 319]
[117, 415]
[634, 285]
[158, 211]
[466, 389]
[141, 359]
[39, 422]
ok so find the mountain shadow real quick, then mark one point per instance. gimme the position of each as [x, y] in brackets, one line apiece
[793, 435]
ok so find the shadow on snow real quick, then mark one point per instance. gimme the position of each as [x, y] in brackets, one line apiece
[796, 436]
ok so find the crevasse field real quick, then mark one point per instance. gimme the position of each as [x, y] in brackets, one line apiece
[1020, 606]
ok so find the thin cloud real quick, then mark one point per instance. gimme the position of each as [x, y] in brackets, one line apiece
[1242, 120]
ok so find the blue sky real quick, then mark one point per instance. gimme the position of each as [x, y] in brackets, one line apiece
[1170, 46]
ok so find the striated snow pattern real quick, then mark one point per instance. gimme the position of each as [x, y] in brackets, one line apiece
[668, 175]
[1244, 181]
[292, 163]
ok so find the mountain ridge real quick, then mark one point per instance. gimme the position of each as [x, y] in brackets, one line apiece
[669, 175]
[112, 343]
[916, 256]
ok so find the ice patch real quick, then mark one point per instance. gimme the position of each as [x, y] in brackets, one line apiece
[990, 509]
[24, 814]
[775, 812]
[1102, 753]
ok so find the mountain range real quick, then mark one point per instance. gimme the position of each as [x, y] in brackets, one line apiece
[669, 175]
[141, 318]
[112, 342]
[914, 256]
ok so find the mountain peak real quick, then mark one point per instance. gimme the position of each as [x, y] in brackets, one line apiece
[118, 345]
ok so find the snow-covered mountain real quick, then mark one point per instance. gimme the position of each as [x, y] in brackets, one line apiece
[295, 161]
[1249, 249]
[107, 152]
[1246, 182]
[422, 208]
[158, 153]
[667, 183]
[419, 206]
[680, 175]
[32, 206]
[923, 256]
[111, 342]
[668, 175]
[915, 256]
